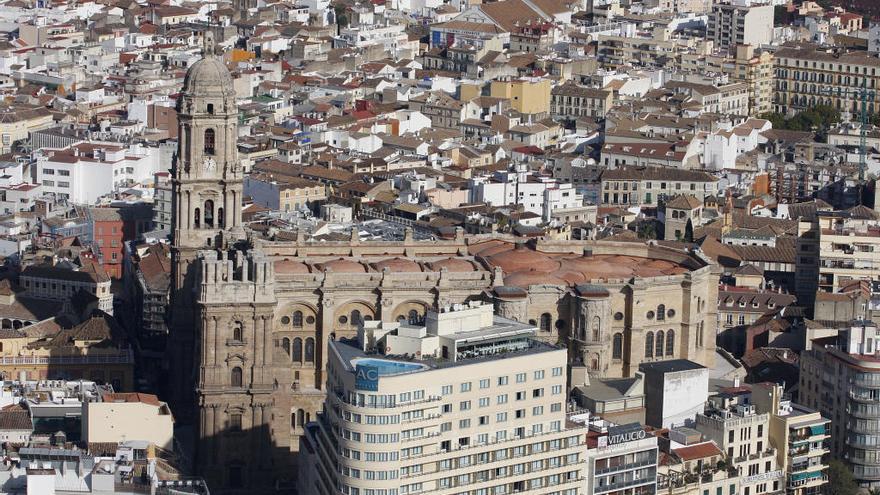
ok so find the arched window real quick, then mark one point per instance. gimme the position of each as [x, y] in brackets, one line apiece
[297, 318]
[197, 218]
[293, 422]
[597, 325]
[285, 344]
[413, 316]
[594, 363]
[658, 346]
[300, 417]
[310, 350]
[546, 322]
[661, 312]
[236, 332]
[209, 141]
[649, 344]
[297, 350]
[670, 342]
[617, 346]
[209, 214]
[210, 108]
[220, 222]
[235, 379]
[355, 318]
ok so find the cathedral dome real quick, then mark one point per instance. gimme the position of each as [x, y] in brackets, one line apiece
[208, 77]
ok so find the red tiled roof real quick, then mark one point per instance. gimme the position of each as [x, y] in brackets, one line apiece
[697, 451]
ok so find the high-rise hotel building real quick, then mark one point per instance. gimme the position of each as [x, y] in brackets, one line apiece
[468, 403]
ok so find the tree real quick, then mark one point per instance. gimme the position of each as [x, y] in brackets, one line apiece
[647, 231]
[775, 118]
[780, 15]
[840, 479]
[817, 119]
[341, 17]
[689, 231]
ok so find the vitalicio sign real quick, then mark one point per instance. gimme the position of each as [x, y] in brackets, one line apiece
[625, 433]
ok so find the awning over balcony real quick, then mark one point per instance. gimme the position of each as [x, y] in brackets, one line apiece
[817, 430]
[806, 476]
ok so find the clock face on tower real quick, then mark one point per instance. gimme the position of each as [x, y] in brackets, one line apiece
[209, 164]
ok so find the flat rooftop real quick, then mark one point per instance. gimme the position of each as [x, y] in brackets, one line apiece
[503, 332]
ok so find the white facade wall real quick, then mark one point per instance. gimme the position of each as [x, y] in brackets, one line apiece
[684, 396]
[412, 121]
[561, 197]
[365, 144]
[720, 151]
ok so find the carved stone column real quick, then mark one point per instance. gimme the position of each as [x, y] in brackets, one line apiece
[217, 349]
[327, 314]
[263, 432]
[211, 422]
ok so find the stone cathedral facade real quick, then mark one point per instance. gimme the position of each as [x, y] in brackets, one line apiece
[251, 318]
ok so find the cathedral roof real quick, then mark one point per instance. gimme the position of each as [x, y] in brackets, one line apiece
[342, 265]
[397, 265]
[454, 265]
[524, 266]
[290, 266]
[522, 259]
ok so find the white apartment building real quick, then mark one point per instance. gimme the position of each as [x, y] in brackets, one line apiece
[542, 196]
[562, 202]
[743, 435]
[390, 37]
[724, 145]
[466, 403]
[18, 197]
[740, 22]
[84, 172]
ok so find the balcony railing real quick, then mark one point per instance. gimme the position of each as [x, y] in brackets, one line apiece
[757, 455]
[124, 358]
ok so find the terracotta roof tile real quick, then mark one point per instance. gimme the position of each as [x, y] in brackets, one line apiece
[698, 451]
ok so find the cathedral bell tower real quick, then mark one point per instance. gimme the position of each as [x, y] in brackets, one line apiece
[206, 205]
[207, 177]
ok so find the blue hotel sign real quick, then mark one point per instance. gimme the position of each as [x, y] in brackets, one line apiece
[366, 378]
